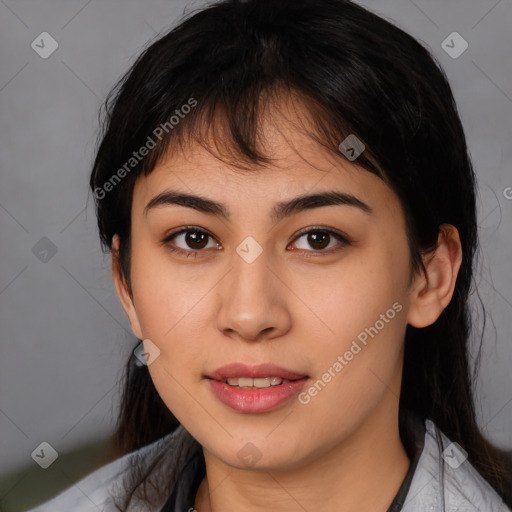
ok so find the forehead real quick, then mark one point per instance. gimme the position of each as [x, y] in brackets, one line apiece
[297, 165]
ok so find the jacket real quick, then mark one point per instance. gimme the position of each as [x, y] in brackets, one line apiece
[439, 478]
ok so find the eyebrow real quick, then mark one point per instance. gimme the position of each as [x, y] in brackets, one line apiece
[280, 211]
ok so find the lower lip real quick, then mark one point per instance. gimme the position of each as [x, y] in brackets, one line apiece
[254, 400]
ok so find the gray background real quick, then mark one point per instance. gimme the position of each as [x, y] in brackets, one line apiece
[64, 336]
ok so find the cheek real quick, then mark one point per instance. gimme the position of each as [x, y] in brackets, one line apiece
[168, 295]
[173, 311]
[364, 310]
[348, 297]
[173, 316]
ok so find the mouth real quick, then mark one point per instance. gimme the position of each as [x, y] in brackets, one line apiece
[255, 389]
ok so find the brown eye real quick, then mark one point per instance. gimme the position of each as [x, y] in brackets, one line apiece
[196, 239]
[320, 239]
[190, 241]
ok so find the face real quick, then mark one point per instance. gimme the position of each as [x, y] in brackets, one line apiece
[317, 296]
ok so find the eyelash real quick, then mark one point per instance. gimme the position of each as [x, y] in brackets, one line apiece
[343, 239]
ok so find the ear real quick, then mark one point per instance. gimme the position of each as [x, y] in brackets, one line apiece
[432, 292]
[123, 290]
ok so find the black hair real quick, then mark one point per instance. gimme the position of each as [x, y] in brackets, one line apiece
[354, 73]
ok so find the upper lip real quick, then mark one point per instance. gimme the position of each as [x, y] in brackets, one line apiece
[233, 370]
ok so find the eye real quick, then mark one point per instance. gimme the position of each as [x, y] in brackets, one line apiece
[192, 240]
[320, 239]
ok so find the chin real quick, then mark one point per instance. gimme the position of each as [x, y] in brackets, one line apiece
[262, 456]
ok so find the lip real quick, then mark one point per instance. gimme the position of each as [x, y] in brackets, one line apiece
[255, 400]
[259, 371]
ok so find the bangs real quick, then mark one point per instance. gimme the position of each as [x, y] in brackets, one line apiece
[230, 125]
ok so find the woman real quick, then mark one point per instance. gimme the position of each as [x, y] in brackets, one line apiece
[287, 194]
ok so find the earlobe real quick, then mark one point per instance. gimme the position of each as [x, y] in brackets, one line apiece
[123, 291]
[433, 292]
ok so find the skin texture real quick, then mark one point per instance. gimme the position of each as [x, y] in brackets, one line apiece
[294, 306]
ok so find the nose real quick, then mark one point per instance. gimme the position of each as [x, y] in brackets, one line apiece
[253, 301]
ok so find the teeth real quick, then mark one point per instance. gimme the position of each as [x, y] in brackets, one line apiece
[247, 382]
[261, 383]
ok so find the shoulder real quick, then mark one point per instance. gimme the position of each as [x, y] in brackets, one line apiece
[445, 480]
[97, 490]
